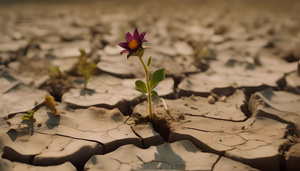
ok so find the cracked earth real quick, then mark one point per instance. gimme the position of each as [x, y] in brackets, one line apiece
[230, 100]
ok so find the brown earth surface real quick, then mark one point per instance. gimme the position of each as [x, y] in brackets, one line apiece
[230, 100]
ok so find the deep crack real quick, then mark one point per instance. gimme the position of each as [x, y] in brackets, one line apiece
[213, 166]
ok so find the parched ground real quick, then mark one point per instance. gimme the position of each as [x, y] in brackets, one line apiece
[230, 100]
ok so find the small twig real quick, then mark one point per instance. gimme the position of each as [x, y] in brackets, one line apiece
[166, 108]
[164, 103]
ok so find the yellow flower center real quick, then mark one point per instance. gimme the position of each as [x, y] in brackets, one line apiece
[133, 44]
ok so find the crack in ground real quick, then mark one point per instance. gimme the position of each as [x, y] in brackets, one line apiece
[140, 159]
[63, 148]
[237, 134]
[208, 117]
[281, 159]
[282, 164]
[292, 128]
[47, 146]
[118, 161]
[76, 128]
[144, 146]
[213, 166]
[202, 130]
[74, 138]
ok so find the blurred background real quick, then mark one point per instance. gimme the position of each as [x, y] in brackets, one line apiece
[35, 35]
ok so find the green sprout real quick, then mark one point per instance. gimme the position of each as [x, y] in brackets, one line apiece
[84, 67]
[50, 102]
[54, 72]
[133, 46]
[29, 115]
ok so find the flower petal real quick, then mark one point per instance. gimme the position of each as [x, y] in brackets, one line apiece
[123, 45]
[124, 51]
[141, 37]
[128, 37]
[144, 40]
[136, 34]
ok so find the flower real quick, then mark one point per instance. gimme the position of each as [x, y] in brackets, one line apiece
[133, 43]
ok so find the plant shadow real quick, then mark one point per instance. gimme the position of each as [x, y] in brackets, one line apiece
[84, 92]
[165, 159]
[30, 126]
[12, 134]
[268, 94]
[29, 130]
[53, 120]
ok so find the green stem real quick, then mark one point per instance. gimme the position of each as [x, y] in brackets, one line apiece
[148, 88]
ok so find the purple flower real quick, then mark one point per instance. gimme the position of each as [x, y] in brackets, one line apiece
[133, 43]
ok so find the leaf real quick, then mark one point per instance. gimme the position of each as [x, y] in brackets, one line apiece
[30, 113]
[153, 92]
[54, 72]
[28, 116]
[82, 58]
[92, 66]
[82, 51]
[155, 99]
[25, 117]
[157, 77]
[149, 63]
[141, 86]
[80, 69]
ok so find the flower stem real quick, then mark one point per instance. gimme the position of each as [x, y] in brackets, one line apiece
[148, 88]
